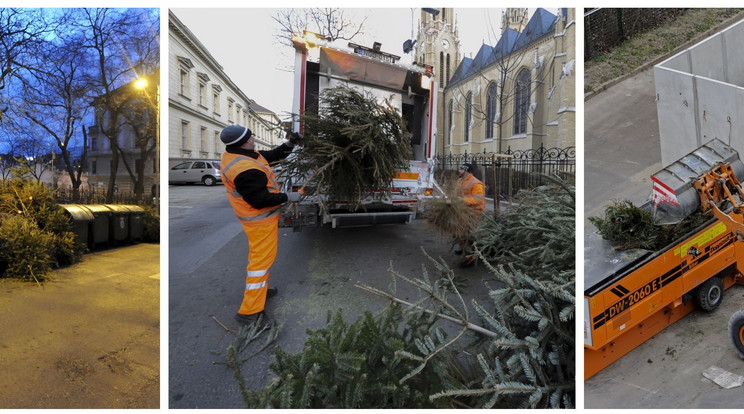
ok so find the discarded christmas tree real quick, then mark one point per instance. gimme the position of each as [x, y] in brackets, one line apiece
[449, 214]
[529, 249]
[353, 365]
[352, 147]
[35, 233]
[536, 234]
[627, 226]
[516, 351]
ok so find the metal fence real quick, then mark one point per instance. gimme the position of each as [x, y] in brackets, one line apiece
[512, 171]
[64, 195]
[606, 28]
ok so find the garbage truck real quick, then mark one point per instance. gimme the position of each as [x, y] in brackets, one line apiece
[410, 88]
[631, 295]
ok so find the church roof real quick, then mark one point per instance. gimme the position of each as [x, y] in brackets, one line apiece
[541, 24]
[462, 70]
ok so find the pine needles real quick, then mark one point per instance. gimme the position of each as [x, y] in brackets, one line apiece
[352, 147]
[536, 234]
[627, 226]
[450, 214]
[355, 365]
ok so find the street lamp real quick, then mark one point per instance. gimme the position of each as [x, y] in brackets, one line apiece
[141, 83]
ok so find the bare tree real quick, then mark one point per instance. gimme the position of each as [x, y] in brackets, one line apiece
[114, 37]
[56, 93]
[21, 31]
[331, 23]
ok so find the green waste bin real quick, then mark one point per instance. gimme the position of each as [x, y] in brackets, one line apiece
[82, 220]
[119, 230]
[136, 222]
[99, 230]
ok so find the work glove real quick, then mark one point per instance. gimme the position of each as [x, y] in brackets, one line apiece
[293, 197]
[295, 138]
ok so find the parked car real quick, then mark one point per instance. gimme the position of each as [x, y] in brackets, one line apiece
[201, 171]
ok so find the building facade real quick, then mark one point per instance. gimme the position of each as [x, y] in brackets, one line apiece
[202, 100]
[516, 95]
[137, 147]
[438, 45]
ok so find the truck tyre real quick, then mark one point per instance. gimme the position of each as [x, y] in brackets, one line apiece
[208, 181]
[710, 294]
[736, 331]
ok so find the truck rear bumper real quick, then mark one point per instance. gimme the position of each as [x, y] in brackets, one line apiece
[370, 219]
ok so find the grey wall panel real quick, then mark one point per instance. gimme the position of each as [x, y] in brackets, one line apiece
[716, 110]
[735, 54]
[707, 58]
[676, 112]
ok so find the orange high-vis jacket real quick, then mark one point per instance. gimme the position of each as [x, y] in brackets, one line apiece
[232, 166]
[474, 192]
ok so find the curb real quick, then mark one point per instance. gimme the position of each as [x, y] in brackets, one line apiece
[659, 59]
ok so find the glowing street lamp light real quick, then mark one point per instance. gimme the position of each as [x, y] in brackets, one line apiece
[141, 83]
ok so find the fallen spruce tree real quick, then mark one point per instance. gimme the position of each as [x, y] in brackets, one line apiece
[517, 351]
[352, 145]
[35, 233]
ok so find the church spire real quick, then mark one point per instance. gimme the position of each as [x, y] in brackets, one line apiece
[514, 18]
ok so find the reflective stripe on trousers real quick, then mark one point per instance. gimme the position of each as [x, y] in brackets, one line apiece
[262, 246]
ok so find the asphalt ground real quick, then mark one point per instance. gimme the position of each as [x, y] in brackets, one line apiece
[316, 271]
[87, 338]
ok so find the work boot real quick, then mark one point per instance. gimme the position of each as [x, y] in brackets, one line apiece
[467, 262]
[271, 292]
[253, 318]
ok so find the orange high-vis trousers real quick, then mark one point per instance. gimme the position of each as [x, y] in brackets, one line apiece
[262, 246]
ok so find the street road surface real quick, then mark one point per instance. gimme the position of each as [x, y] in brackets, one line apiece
[315, 270]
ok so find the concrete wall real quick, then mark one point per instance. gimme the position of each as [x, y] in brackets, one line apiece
[700, 95]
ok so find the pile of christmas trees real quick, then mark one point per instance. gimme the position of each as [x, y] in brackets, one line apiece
[518, 352]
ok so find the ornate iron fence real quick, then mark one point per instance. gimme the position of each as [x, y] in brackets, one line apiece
[517, 171]
[98, 196]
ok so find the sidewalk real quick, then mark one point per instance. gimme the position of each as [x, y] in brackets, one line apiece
[89, 338]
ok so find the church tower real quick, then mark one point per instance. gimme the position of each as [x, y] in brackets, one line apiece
[516, 19]
[438, 45]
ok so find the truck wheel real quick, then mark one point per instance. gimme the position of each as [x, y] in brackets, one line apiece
[208, 180]
[736, 331]
[710, 294]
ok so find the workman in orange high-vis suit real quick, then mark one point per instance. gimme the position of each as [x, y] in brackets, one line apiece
[474, 195]
[257, 201]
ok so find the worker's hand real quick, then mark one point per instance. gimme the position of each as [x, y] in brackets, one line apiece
[293, 197]
[295, 138]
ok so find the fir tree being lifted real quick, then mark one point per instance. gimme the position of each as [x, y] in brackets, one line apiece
[352, 146]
